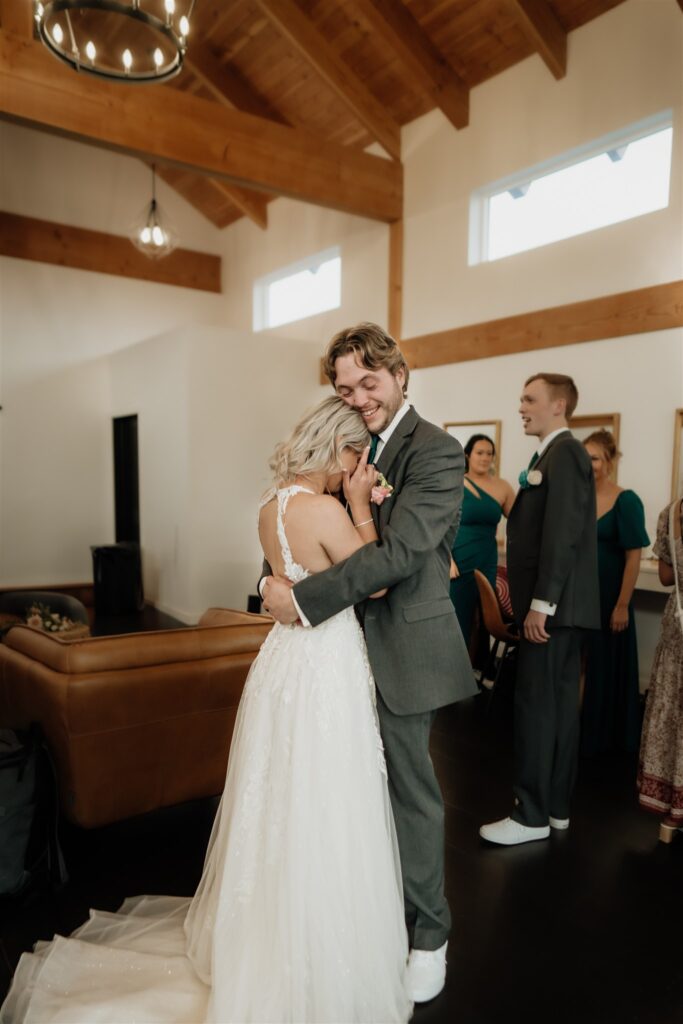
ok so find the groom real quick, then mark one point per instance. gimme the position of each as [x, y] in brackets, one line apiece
[416, 650]
[553, 574]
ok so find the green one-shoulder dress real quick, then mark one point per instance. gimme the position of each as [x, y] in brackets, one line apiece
[610, 719]
[474, 548]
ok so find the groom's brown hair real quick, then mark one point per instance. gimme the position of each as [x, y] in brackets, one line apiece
[560, 386]
[372, 345]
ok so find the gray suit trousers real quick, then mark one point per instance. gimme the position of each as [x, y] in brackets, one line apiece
[546, 726]
[419, 815]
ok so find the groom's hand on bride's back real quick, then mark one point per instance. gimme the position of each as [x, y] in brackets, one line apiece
[278, 601]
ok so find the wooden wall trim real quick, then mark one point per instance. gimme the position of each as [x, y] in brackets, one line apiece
[657, 308]
[396, 279]
[45, 241]
[612, 316]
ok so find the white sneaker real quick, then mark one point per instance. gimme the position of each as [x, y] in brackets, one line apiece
[426, 974]
[508, 832]
[559, 823]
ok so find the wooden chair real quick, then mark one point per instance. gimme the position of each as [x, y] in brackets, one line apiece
[499, 630]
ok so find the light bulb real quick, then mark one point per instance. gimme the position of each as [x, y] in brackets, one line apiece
[91, 51]
[170, 6]
[40, 11]
[184, 26]
[127, 60]
[57, 34]
[158, 57]
[157, 235]
[145, 236]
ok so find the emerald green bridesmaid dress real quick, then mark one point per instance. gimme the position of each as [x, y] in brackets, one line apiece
[474, 548]
[611, 703]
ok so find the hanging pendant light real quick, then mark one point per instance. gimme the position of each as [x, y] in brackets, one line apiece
[151, 231]
[134, 41]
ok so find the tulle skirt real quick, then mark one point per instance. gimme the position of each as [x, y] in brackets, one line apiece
[299, 913]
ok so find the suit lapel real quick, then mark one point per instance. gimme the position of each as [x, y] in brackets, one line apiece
[396, 442]
[536, 465]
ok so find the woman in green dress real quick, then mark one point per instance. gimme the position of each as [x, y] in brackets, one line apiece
[611, 701]
[486, 498]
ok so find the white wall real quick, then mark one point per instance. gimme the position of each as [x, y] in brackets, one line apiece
[55, 438]
[622, 67]
[296, 230]
[211, 405]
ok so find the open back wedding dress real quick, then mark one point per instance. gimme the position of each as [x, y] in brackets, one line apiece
[299, 913]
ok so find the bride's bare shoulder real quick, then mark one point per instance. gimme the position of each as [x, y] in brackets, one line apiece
[317, 505]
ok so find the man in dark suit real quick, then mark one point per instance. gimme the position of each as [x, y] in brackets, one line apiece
[418, 657]
[553, 575]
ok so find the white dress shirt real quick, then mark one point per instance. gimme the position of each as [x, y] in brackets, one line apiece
[537, 605]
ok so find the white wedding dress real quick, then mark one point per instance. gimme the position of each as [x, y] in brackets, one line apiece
[299, 913]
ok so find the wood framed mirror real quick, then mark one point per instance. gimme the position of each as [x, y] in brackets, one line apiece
[463, 430]
[582, 426]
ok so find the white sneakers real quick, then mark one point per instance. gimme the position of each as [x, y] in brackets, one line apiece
[426, 974]
[508, 832]
[559, 823]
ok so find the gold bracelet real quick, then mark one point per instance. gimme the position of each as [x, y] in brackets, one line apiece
[364, 523]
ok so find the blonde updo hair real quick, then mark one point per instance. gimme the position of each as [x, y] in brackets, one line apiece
[605, 440]
[317, 441]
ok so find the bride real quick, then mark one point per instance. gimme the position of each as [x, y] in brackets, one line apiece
[298, 916]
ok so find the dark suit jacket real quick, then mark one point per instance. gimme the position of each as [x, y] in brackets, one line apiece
[552, 539]
[418, 657]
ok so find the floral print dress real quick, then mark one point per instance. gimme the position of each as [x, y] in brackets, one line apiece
[660, 771]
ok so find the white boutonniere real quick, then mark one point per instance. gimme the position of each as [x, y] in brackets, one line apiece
[530, 478]
[382, 490]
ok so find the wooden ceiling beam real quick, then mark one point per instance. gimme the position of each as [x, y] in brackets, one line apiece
[178, 181]
[544, 31]
[431, 73]
[26, 238]
[301, 33]
[17, 16]
[226, 85]
[199, 135]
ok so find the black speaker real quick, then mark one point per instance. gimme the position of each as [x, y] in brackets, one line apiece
[117, 576]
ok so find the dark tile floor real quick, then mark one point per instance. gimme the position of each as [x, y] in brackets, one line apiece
[585, 928]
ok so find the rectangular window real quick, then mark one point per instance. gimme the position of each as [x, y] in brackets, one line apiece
[310, 286]
[623, 175]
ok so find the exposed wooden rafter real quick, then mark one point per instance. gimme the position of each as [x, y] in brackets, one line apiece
[199, 193]
[545, 32]
[431, 73]
[226, 85]
[17, 16]
[300, 31]
[195, 134]
[26, 238]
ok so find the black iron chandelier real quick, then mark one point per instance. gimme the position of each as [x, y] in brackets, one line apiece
[138, 41]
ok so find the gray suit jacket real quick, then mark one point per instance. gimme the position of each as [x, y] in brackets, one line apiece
[417, 653]
[552, 539]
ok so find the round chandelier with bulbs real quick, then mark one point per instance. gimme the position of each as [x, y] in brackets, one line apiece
[139, 41]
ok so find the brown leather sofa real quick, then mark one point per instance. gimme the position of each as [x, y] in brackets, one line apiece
[134, 722]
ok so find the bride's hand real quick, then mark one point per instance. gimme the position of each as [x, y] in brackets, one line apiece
[359, 484]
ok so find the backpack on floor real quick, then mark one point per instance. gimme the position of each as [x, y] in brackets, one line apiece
[29, 809]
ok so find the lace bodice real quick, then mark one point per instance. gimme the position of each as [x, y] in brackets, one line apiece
[293, 571]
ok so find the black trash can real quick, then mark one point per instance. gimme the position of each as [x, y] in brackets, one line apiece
[117, 576]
